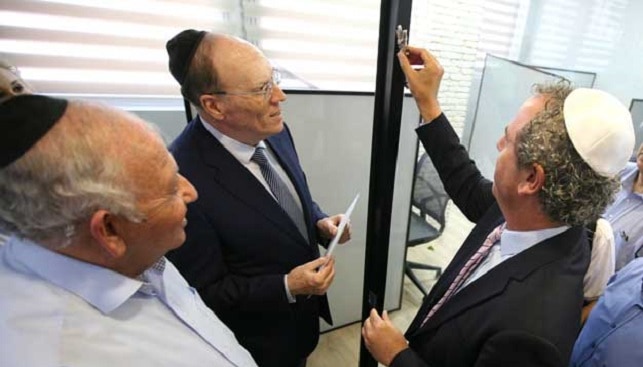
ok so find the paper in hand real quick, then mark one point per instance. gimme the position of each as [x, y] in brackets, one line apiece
[341, 227]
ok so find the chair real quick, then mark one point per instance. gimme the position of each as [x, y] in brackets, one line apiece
[427, 218]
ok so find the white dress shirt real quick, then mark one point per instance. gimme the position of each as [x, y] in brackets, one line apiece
[602, 263]
[511, 244]
[59, 311]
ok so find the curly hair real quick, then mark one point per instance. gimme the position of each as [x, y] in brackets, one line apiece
[74, 170]
[573, 193]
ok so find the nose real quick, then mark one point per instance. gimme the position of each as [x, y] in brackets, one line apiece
[277, 95]
[188, 192]
[500, 143]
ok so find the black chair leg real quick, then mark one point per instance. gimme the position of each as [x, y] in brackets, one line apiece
[414, 265]
[408, 270]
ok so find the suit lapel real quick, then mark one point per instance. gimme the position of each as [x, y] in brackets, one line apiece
[240, 183]
[494, 283]
[290, 166]
[469, 247]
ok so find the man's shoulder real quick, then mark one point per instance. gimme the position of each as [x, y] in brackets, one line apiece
[631, 273]
[184, 139]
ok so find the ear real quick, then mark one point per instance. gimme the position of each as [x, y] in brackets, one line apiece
[213, 106]
[533, 180]
[102, 227]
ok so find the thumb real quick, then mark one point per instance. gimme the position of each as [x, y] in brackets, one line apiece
[317, 262]
[404, 62]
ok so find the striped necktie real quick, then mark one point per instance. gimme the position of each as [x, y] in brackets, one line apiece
[467, 269]
[280, 191]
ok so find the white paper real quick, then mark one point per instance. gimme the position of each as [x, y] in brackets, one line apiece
[341, 227]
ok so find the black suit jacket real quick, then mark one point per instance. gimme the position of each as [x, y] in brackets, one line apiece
[240, 243]
[523, 312]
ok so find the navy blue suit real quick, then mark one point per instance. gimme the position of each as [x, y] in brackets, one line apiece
[240, 243]
[524, 311]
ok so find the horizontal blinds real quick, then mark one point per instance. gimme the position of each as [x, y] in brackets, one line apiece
[322, 44]
[117, 47]
[114, 47]
[577, 34]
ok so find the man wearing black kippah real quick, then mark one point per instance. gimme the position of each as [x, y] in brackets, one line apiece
[11, 85]
[83, 277]
[251, 248]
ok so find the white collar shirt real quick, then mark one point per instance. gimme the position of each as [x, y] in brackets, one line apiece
[511, 244]
[58, 311]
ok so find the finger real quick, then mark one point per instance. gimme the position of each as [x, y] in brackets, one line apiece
[374, 315]
[329, 279]
[385, 316]
[316, 263]
[323, 276]
[332, 229]
[366, 333]
[337, 219]
[429, 60]
[326, 269]
[348, 232]
[330, 275]
[404, 62]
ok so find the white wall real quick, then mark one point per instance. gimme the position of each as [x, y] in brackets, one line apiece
[333, 135]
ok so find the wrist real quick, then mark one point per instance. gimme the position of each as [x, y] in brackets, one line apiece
[430, 112]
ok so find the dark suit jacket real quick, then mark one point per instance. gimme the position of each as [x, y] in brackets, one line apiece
[523, 312]
[240, 243]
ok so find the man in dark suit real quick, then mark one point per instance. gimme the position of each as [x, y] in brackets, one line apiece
[251, 248]
[512, 295]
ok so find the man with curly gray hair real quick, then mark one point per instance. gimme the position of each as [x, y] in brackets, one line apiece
[93, 201]
[512, 295]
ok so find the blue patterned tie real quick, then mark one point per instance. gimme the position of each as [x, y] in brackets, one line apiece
[280, 190]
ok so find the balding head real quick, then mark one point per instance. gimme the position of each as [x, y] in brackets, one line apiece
[217, 56]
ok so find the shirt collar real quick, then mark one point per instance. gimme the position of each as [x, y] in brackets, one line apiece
[241, 151]
[103, 288]
[514, 242]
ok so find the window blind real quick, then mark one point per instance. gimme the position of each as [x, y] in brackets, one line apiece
[114, 47]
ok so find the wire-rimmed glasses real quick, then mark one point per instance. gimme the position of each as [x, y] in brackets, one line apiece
[265, 89]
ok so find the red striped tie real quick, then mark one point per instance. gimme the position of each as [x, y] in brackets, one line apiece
[468, 268]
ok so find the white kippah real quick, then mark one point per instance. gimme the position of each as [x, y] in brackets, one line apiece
[600, 128]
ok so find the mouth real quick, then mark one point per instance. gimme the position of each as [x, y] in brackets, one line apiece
[185, 222]
[275, 114]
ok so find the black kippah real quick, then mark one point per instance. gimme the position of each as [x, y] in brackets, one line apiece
[181, 50]
[24, 119]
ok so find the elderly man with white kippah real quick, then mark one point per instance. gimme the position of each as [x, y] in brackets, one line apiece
[512, 295]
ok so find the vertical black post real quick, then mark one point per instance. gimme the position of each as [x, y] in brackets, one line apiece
[389, 94]
[188, 110]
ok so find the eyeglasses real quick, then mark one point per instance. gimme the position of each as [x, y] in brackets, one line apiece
[265, 89]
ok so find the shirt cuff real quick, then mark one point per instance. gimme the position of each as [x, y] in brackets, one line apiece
[290, 297]
[424, 122]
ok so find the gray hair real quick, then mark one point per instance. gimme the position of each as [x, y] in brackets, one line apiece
[201, 77]
[573, 193]
[76, 169]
